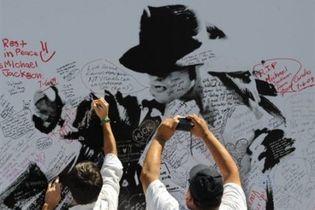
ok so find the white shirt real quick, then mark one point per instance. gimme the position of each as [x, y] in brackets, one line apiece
[157, 197]
[111, 172]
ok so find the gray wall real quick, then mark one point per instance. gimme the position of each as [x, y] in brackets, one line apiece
[67, 43]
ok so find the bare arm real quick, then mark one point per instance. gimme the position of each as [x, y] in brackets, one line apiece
[221, 156]
[52, 196]
[101, 108]
[152, 162]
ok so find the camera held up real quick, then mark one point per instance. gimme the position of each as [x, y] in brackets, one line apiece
[184, 124]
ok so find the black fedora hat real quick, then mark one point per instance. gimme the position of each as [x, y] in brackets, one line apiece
[166, 35]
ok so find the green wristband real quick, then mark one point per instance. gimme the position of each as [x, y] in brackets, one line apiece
[105, 120]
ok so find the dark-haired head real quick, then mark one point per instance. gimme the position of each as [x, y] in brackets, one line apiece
[84, 182]
[205, 188]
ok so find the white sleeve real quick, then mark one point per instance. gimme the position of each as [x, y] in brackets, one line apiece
[111, 173]
[157, 197]
[233, 198]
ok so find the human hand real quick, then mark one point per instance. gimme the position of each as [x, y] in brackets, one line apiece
[167, 128]
[101, 107]
[200, 128]
[52, 196]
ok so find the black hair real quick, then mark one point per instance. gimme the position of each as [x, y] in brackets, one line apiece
[209, 193]
[84, 182]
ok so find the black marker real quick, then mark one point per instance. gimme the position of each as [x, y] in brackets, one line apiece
[93, 96]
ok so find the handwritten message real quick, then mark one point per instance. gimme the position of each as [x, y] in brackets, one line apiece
[100, 75]
[21, 59]
[257, 199]
[220, 102]
[199, 58]
[14, 158]
[292, 177]
[68, 71]
[43, 143]
[286, 74]
[16, 87]
[6, 108]
[17, 125]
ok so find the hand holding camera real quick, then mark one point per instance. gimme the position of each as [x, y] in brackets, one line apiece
[184, 124]
[200, 128]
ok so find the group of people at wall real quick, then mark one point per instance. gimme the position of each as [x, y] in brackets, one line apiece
[94, 188]
[167, 34]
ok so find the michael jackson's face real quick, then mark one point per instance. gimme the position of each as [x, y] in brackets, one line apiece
[46, 109]
[173, 86]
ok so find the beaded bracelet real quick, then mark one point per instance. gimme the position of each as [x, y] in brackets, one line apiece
[105, 120]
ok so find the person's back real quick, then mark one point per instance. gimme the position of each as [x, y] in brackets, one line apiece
[92, 188]
[207, 189]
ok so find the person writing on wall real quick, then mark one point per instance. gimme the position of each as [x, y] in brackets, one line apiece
[90, 187]
[207, 190]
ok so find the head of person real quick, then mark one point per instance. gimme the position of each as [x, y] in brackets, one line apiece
[46, 104]
[205, 188]
[84, 182]
[167, 34]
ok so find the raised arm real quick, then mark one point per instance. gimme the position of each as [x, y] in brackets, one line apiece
[152, 162]
[52, 196]
[222, 157]
[101, 108]
[112, 168]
